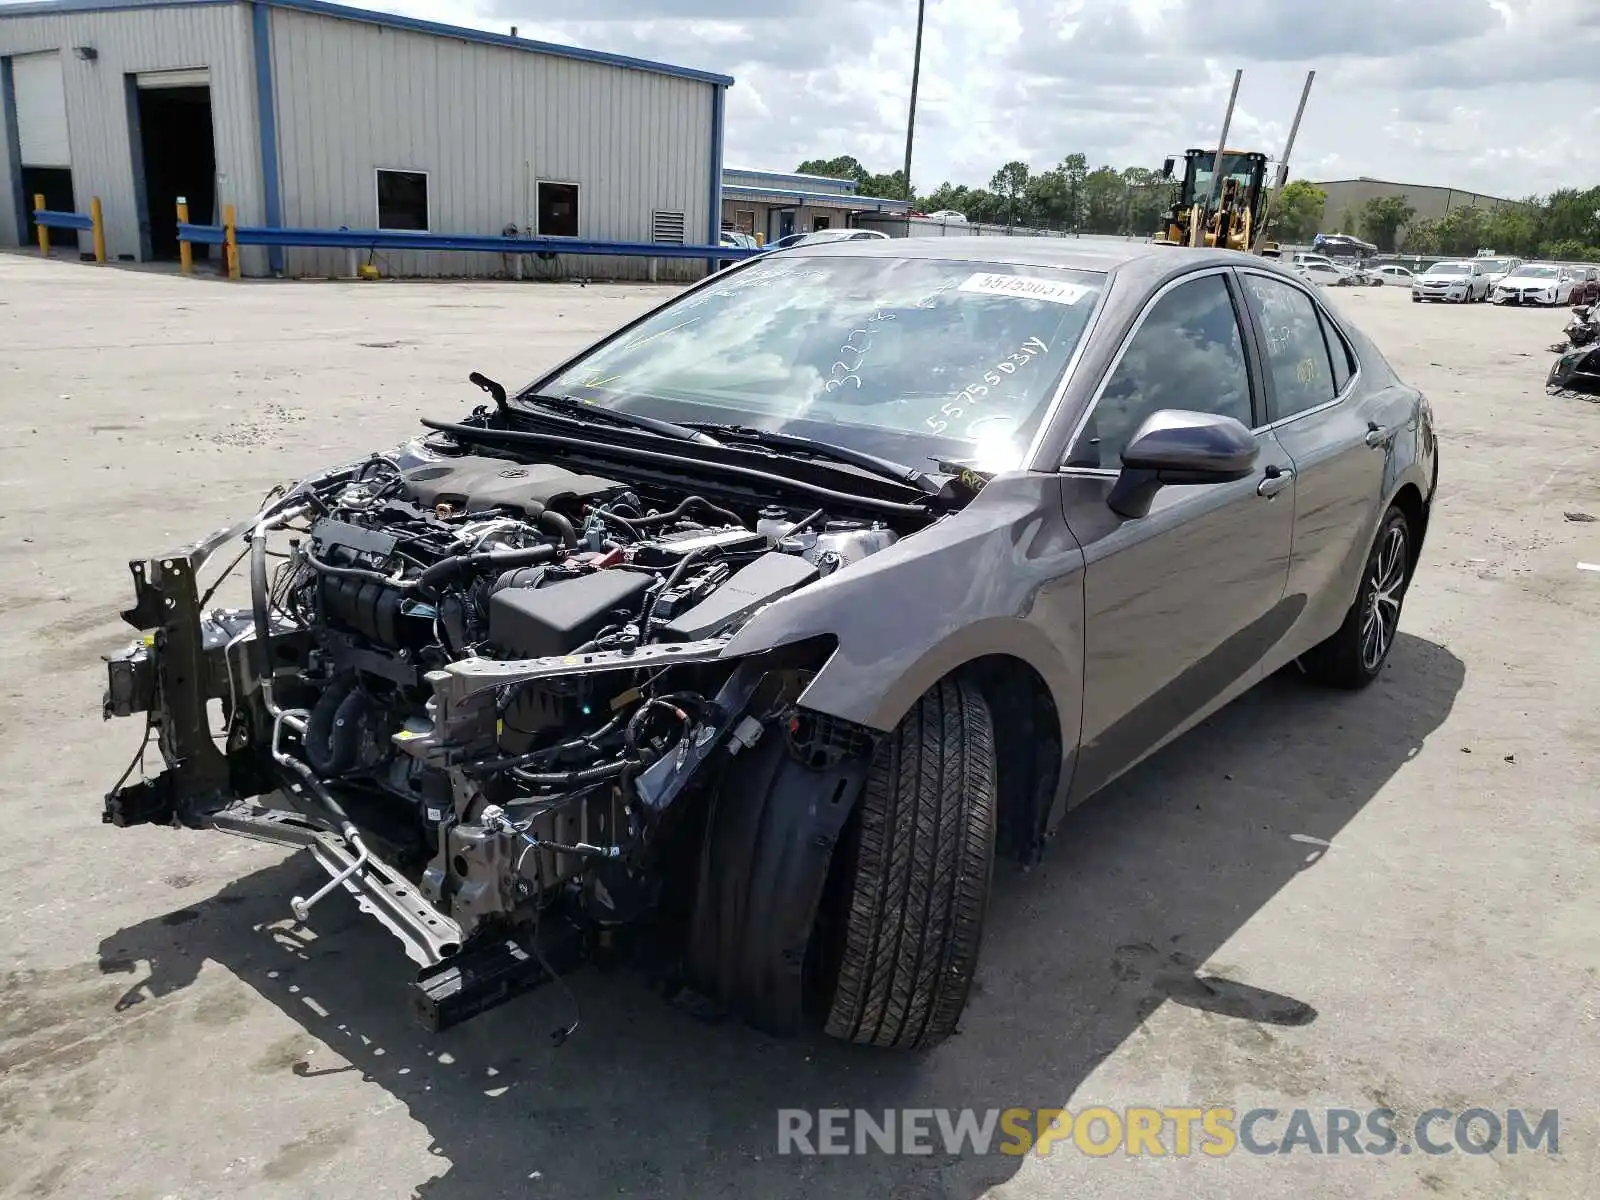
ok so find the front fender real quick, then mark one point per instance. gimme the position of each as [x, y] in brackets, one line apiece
[1001, 577]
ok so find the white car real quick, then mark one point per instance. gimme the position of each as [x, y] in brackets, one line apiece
[1325, 273]
[1536, 283]
[1306, 259]
[1497, 268]
[948, 216]
[826, 235]
[1462, 281]
[1391, 273]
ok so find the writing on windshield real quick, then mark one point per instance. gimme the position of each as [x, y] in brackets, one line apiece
[863, 350]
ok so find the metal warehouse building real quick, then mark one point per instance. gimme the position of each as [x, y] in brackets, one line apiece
[304, 114]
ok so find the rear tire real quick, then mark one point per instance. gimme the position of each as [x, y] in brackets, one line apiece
[1354, 656]
[914, 880]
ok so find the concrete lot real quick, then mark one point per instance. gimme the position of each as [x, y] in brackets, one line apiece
[1397, 889]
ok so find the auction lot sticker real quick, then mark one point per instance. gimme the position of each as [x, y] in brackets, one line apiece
[1025, 287]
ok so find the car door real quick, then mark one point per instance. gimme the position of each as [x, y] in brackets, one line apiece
[1337, 429]
[1179, 605]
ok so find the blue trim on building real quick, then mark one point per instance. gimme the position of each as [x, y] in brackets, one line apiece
[388, 20]
[719, 96]
[832, 199]
[267, 114]
[141, 198]
[802, 180]
[13, 148]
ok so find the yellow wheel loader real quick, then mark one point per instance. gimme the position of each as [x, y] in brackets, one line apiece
[1229, 215]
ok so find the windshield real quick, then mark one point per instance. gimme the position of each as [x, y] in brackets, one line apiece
[1449, 269]
[1494, 266]
[1238, 167]
[907, 358]
[1536, 273]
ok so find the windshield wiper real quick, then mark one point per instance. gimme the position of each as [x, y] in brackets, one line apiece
[573, 407]
[885, 467]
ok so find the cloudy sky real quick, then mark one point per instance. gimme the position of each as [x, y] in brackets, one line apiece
[1497, 96]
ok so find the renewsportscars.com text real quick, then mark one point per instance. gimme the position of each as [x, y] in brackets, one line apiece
[1158, 1132]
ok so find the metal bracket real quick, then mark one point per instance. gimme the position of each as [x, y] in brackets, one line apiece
[380, 891]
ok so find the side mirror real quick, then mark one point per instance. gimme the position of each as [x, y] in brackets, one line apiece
[1174, 446]
[1166, 168]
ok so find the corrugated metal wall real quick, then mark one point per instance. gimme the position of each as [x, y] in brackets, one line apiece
[128, 41]
[486, 123]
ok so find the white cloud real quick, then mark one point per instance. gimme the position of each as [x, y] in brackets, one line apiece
[1486, 95]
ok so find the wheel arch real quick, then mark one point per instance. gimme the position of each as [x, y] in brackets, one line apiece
[1031, 691]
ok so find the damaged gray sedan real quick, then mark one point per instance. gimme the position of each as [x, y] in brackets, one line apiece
[752, 635]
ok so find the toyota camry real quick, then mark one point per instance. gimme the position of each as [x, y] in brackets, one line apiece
[756, 631]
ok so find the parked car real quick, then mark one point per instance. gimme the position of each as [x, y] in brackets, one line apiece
[1394, 273]
[739, 241]
[1326, 273]
[949, 216]
[768, 621]
[818, 236]
[1463, 282]
[1585, 286]
[1497, 268]
[1536, 283]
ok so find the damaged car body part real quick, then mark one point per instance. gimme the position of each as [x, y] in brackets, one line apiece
[765, 651]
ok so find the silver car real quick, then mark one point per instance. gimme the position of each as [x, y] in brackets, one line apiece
[1462, 282]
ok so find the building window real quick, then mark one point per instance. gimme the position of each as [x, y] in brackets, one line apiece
[403, 200]
[744, 220]
[819, 223]
[558, 210]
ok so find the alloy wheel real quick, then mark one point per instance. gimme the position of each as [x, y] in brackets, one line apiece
[1385, 589]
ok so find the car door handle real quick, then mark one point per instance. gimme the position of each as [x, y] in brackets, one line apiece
[1377, 435]
[1277, 479]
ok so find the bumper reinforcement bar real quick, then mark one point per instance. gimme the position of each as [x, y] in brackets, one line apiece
[430, 937]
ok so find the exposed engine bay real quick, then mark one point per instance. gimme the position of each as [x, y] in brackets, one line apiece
[476, 687]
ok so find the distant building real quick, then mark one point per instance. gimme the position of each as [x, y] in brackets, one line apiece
[306, 113]
[1347, 197]
[773, 205]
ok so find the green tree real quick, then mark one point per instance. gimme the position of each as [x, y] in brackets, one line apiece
[1149, 198]
[1010, 182]
[1074, 170]
[1461, 230]
[1105, 201]
[1297, 215]
[1512, 229]
[843, 167]
[1422, 237]
[1382, 218]
[891, 186]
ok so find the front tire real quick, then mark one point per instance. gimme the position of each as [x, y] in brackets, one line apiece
[914, 880]
[1354, 656]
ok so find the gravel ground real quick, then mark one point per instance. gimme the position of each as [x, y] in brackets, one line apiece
[1392, 895]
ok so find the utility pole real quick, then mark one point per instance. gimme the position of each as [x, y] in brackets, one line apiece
[916, 73]
[1283, 166]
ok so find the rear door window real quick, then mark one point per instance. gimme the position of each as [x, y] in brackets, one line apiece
[1297, 353]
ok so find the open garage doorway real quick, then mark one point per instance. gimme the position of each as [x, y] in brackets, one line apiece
[177, 156]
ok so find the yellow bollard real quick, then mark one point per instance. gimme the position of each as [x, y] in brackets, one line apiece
[230, 233]
[99, 230]
[185, 251]
[44, 231]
